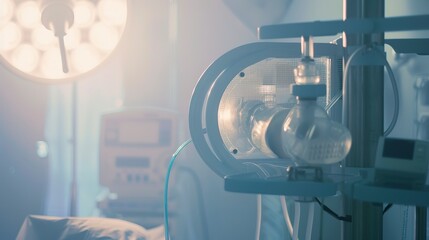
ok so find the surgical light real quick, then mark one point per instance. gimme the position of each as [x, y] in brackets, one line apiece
[6, 11]
[85, 14]
[112, 12]
[85, 57]
[11, 36]
[28, 14]
[25, 57]
[34, 33]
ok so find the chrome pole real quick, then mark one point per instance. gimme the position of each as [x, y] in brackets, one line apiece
[363, 111]
[421, 222]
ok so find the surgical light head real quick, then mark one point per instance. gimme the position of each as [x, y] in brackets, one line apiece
[52, 41]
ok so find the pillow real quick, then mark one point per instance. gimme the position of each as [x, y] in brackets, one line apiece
[77, 228]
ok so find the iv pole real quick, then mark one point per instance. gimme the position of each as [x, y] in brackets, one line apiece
[363, 25]
[364, 117]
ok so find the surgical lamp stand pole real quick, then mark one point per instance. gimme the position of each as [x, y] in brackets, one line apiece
[364, 118]
[73, 187]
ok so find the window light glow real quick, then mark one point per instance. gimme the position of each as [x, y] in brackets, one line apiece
[28, 14]
[32, 50]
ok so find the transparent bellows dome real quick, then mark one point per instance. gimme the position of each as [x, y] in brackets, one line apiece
[311, 138]
[253, 98]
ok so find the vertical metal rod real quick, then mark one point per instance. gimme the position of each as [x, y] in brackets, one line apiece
[173, 69]
[73, 187]
[420, 225]
[364, 118]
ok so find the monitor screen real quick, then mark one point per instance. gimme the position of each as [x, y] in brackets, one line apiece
[142, 132]
[132, 162]
[398, 148]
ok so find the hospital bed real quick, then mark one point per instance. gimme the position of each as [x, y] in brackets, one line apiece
[37, 227]
[132, 167]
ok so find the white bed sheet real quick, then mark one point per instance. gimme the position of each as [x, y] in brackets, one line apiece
[37, 227]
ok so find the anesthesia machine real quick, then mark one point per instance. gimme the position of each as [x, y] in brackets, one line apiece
[135, 146]
[305, 120]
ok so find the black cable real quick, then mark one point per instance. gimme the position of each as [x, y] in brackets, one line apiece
[347, 218]
[388, 206]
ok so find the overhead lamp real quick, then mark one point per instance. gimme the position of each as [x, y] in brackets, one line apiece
[56, 40]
